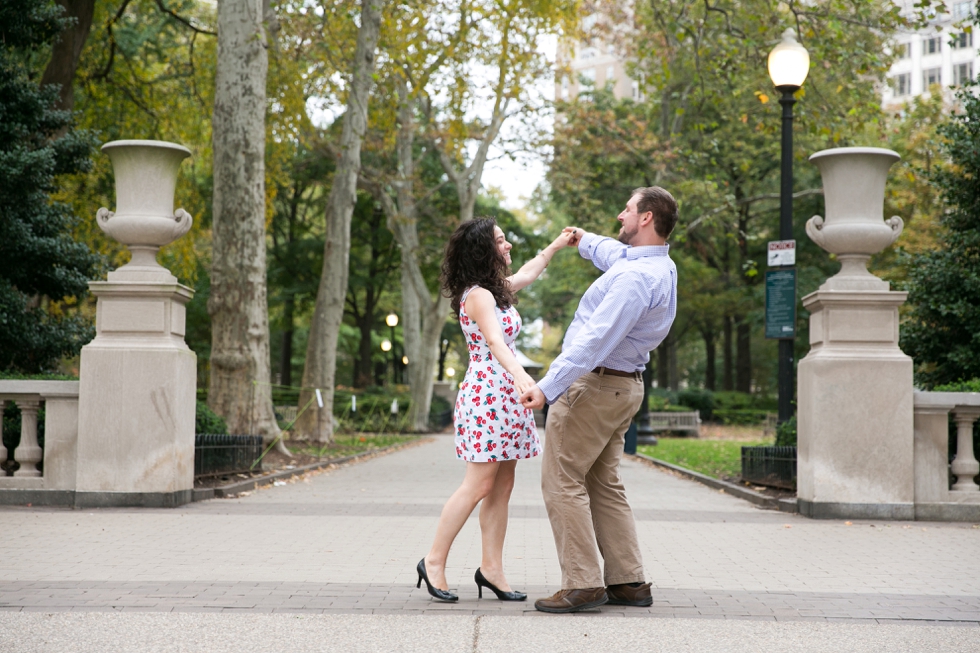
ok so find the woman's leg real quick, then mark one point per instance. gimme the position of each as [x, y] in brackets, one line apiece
[478, 483]
[493, 525]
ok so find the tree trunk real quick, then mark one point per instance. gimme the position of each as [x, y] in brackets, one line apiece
[709, 356]
[67, 50]
[743, 357]
[286, 354]
[240, 362]
[728, 375]
[321, 351]
[663, 364]
[672, 372]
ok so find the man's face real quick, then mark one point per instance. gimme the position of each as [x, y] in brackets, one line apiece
[630, 220]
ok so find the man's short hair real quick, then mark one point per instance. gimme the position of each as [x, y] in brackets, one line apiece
[663, 206]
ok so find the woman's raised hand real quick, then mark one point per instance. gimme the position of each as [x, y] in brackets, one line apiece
[523, 382]
[575, 235]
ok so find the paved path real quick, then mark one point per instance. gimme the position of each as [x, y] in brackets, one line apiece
[330, 560]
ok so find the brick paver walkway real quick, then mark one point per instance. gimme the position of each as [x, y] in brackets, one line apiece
[348, 541]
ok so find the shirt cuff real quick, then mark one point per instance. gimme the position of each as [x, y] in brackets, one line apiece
[584, 245]
[550, 392]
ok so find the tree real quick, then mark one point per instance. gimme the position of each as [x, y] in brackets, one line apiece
[67, 50]
[239, 385]
[41, 268]
[446, 58]
[321, 350]
[940, 330]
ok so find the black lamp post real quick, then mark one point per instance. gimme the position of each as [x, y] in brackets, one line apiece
[392, 321]
[789, 63]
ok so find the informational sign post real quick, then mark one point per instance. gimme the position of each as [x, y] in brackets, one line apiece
[781, 304]
[781, 253]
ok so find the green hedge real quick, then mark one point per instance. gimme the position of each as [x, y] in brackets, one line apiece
[743, 417]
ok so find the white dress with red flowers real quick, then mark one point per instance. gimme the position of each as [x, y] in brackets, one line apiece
[490, 423]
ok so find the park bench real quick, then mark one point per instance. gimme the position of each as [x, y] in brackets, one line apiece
[676, 422]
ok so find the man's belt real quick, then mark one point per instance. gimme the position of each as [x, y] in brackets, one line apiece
[610, 372]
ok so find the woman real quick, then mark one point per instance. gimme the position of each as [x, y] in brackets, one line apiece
[493, 431]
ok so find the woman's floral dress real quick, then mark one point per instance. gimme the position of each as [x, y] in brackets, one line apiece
[490, 423]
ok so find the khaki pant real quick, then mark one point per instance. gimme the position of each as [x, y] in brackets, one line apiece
[582, 488]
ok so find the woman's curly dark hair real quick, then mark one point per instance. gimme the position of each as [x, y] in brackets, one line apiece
[472, 259]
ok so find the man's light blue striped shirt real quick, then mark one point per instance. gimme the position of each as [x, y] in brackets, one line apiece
[623, 316]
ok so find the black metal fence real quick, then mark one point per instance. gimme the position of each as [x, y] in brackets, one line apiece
[772, 466]
[225, 454]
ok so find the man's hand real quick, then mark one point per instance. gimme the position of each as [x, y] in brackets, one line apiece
[533, 398]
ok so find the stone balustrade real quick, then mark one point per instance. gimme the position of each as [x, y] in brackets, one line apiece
[934, 498]
[60, 402]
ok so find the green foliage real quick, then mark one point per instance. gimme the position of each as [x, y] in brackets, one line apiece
[971, 385]
[702, 401]
[940, 330]
[208, 421]
[716, 458]
[740, 417]
[41, 267]
[786, 433]
[745, 401]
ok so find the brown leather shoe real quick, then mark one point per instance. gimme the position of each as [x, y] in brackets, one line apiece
[636, 594]
[573, 600]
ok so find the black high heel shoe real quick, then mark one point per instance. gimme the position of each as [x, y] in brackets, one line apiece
[482, 582]
[436, 593]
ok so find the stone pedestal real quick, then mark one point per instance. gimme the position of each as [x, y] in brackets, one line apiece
[855, 426]
[137, 399]
[136, 403]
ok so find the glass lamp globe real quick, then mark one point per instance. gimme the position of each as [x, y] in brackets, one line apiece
[450, 372]
[391, 320]
[789, 62]
[385, 345]
[404, 360]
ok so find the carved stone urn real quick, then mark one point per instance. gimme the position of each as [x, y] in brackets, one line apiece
[853, 229]
[144, 219]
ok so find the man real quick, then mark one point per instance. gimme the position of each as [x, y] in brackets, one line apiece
[594, 388]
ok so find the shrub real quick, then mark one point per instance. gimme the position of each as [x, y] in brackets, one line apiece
[208, 421]
[741, 417]
[702, 401]
[786, 433]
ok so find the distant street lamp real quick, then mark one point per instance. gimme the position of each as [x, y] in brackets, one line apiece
[392, 321]
[789, 63]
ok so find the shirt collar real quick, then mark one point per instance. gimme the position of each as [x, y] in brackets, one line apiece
[633, 253]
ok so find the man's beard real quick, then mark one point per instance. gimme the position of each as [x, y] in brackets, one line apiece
[626, 236]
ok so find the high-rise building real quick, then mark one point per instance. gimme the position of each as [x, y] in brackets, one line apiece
[943, 53]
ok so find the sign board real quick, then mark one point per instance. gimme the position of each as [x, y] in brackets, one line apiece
[782, 252]
[781, 304]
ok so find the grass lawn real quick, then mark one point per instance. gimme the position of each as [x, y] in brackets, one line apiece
[347, 444]
[716, 458]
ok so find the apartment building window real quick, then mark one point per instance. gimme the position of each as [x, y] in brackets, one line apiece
[962, 73]
[932, 45]
[931, 76]
[963, 40]
[611, 75]
[903, 84]
[961, 10]
[903, 51]
[588, 75]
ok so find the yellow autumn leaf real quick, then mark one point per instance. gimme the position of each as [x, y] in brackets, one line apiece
[763, 98]
[745, 118]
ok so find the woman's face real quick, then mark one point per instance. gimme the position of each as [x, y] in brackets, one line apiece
[502, 245]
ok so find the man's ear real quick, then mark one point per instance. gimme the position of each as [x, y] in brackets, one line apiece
[646, 218]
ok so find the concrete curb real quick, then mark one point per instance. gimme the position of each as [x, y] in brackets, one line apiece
[231, 489]
[761, 500]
